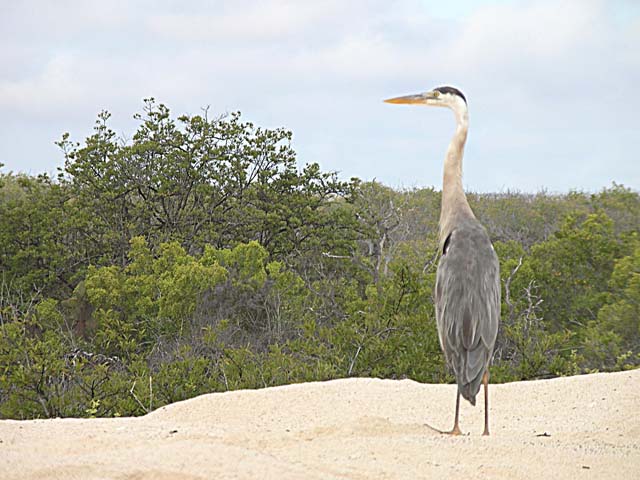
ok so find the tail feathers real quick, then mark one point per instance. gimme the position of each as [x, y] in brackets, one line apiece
[470, 390]
[473, 364]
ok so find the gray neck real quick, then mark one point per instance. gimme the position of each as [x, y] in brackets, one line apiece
[454, 201]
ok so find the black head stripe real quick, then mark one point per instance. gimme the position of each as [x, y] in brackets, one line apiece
[453, 91]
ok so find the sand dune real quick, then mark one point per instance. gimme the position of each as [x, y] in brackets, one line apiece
[576, 427]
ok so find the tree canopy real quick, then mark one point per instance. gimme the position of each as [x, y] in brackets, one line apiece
[200, 256]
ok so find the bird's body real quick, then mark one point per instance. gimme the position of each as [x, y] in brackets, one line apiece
[467, 294]
[467, 299]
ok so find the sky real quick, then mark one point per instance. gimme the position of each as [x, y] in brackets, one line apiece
[552, 85]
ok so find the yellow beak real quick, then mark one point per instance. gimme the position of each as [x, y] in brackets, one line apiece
[407, 99]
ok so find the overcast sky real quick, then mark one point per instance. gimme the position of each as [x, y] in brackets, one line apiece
[552, 86]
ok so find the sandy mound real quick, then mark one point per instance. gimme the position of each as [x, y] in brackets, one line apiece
[576, 427]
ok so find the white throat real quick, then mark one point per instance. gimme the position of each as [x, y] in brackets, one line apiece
[454, 201]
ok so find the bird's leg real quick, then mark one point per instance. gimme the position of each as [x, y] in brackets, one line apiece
[456, 428]
[485, 380]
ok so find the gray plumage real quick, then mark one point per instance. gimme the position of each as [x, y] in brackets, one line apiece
[467, 294]
[467, 301]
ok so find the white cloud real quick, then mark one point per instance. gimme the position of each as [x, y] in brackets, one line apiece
[35, 94]
[545, 30]
[245, 22]
[540, 76]
[291, 28]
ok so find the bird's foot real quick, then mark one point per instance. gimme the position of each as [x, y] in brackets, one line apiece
[485, 433]
[455, 431]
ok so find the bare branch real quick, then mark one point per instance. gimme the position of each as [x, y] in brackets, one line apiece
[507, 289]
[135, 397]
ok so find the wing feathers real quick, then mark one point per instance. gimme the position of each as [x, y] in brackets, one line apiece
[468, 304]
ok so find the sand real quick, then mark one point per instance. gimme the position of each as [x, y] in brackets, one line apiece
[574, 427]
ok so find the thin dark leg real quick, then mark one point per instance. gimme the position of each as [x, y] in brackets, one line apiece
[485, 380]
[456, 427]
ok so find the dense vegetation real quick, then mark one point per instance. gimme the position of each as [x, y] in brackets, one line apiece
[198, 257]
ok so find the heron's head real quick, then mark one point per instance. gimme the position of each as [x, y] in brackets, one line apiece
[449, 97]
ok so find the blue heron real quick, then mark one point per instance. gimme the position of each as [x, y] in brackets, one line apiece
[467, 293]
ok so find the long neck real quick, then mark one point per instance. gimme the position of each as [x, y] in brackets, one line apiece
[454, 201]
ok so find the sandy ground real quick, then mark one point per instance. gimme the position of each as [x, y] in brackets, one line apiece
[576, 427]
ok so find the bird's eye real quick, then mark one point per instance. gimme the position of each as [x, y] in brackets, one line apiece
[436, 94]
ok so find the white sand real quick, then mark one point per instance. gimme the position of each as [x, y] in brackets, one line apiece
[576, 427]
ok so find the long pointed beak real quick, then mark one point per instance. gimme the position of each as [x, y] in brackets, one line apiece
[407, 99]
